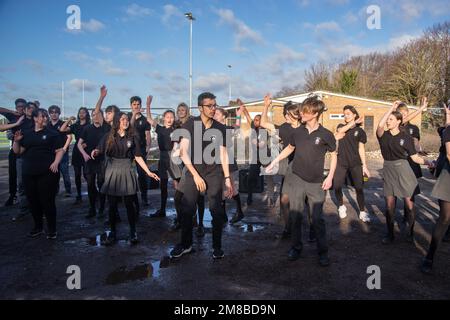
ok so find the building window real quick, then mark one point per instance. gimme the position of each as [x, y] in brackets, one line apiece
[336, 116]
[368, 124]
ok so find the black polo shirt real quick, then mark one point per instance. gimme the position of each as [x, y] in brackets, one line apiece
[92, 136]
[398, 147]
[310, 150]
[77, 129]
[40, 150]
[215, 136]
[141, 125]
[27, 124]
[122, 147]
[165, 143]
[412, 130]
[348, 150]
[284, 132]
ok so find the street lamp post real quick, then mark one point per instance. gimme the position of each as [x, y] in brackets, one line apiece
[191, 19]
[229, 86]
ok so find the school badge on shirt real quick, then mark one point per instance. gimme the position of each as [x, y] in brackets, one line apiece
[44, 137]
[402, 142]
[129, 144]
[140, 123]
[411, 131]
[317, 142]
[356, 133]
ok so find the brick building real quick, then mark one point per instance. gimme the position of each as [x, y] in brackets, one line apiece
[372, 110]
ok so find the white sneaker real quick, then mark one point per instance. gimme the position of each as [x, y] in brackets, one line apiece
[364, 216]
[342, 212]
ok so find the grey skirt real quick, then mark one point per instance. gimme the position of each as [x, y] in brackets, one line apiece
[441, 189]
[166, 167]
[120, 178]
[399, 179]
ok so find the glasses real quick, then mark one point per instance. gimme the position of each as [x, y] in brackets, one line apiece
[212, 106]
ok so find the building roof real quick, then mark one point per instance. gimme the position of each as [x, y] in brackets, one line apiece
[302, 96]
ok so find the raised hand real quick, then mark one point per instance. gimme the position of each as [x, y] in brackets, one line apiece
[149, 100]
[268, 100]
[103, 91]
[424, 103]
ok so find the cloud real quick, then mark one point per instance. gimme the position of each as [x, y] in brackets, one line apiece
[78, 85]
[138, 55]
[213, 82]
[35, 66]
[411, 10]
[92, 25]
[242, 32]
[105, 66]
[284, 58]
[136, 11]
[170, 11]
[103, 49]
[323, 27]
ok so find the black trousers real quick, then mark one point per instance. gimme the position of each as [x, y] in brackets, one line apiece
[142, 177]
[12, 173]
[253, 174]
[95, 177]
[214, 183]
[79, 170]
[41, 192]
[357, 177]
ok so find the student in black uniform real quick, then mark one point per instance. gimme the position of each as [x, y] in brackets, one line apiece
[13, 117]
[165, 144]
[351, 159]
[414, 132]
[310, 142]
[82, 121]
[258, 141]
[399, 179]
[291, 114]
[9, 126]
[41, 150]
[441, 191]
[56, 123]
[122, 146]
[204, 173]
[142, 129]
[88, 141]
[220, 116]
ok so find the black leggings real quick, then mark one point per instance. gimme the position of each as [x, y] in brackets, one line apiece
[93, 192]
[390, 214]
[41, 192]
[200, 206]
[357, 177]
[12, 173]
[440, 228]
[131, 211]
[77, 169]
[164, 193]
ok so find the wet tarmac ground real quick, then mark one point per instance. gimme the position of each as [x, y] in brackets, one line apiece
[255, 265]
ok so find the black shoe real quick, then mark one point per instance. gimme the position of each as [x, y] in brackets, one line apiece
[218, 254]
[92, 213]
[11, 201]
[324, 261]
[110, 239]
[294, 254]
[237, 217]
[158, 214]
[427, 266]
[52, 236]
[35, 233]
[133, 238]
[179, 250]
[387, 240]
[200, 231]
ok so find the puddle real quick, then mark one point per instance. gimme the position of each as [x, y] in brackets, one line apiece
[140, 272]
[97, 240]
[251, 227]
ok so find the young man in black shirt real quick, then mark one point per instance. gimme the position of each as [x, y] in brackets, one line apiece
[142, 129]
[56, 123]
[310, 142]
[204, 153]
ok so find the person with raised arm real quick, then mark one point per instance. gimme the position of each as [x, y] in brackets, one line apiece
[399, 180]
[310, 142]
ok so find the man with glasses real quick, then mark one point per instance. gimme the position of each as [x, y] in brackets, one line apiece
[55, 124]
[204, 153]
